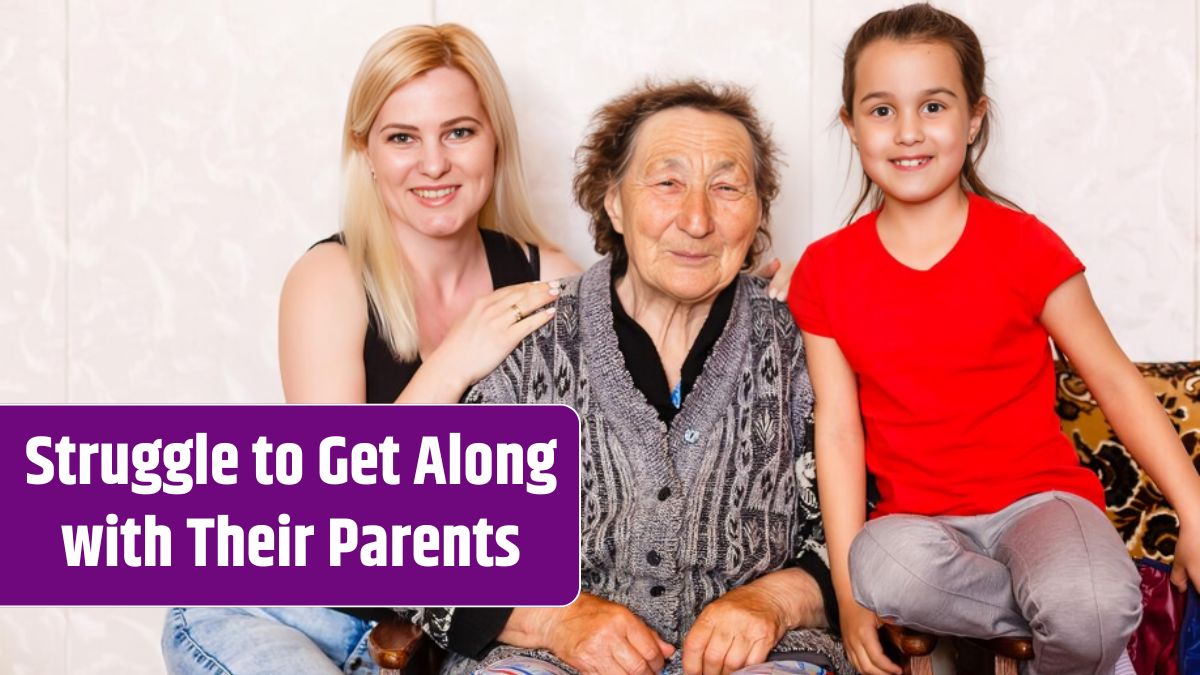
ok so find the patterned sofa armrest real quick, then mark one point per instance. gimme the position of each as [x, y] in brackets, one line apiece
[1135, 505]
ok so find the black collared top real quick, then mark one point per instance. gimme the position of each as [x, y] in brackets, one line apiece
[643, 361]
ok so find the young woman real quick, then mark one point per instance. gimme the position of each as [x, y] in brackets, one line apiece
[432, 281]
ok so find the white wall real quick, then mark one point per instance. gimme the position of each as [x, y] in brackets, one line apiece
[163, 163]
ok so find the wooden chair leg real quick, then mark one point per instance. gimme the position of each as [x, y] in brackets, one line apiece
[918, 665]
[1006, 666]
[1009, 653]
[913, 649]
[400, 648]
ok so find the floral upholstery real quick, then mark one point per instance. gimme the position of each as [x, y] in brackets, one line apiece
[1135, 506]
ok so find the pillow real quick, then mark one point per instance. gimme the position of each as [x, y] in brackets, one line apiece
[1135, 506]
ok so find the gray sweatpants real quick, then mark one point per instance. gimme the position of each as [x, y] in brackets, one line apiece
[1049, 565]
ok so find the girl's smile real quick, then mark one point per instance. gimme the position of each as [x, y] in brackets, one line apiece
[911, 163]
[911, 119]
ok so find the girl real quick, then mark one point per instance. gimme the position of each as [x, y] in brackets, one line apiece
[926, 326]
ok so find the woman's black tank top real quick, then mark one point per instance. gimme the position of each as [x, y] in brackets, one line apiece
[386, 375]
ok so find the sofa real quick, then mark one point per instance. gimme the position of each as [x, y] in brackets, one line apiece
[1135, 506]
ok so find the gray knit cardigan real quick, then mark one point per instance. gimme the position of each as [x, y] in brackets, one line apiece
[673, 518]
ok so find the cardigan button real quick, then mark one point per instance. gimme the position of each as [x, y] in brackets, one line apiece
[664, 494]
[653, 558]
[691, 436]
[656, 591]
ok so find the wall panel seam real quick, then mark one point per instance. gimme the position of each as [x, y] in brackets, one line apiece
[67, 666]
[812, 137]
[66, 177]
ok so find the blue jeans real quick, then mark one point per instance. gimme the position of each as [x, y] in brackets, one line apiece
[252, 640]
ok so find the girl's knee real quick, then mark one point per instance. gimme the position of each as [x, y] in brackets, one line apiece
[1089, 621]
[911, 542]
[1119, 609]
[895, 555]
[1123, 601]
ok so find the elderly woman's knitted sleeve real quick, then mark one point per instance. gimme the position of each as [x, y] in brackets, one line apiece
[809, 536]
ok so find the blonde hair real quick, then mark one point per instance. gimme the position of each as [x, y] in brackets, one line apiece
[395, 59]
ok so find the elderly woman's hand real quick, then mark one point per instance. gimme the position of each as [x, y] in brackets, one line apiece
[598, 636]
[736, 630]
[592, 635]
[740, 628]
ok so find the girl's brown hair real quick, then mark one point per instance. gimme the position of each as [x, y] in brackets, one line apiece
[923, 23]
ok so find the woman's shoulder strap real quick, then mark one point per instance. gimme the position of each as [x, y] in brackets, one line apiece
[508, 260]
[331, 239]
[535, 261]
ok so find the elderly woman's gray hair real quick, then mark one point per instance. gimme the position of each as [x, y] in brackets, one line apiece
[604, 155]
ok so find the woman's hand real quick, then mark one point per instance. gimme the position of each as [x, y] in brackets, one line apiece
[1187, 559]
[592, 635]
[479, 341]
[493, 327]
[736, 630]
[780, 276]
[860, 636]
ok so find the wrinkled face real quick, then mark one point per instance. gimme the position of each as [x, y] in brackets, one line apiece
[433, 153]
[912, 122]
[686, 205]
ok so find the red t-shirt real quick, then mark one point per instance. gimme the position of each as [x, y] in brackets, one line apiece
[955, 378]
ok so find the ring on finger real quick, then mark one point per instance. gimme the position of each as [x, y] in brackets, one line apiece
[517, 313]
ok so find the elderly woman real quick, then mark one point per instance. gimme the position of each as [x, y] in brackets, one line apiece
[701, 543]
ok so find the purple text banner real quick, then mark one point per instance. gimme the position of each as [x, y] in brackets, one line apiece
[290, 505]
